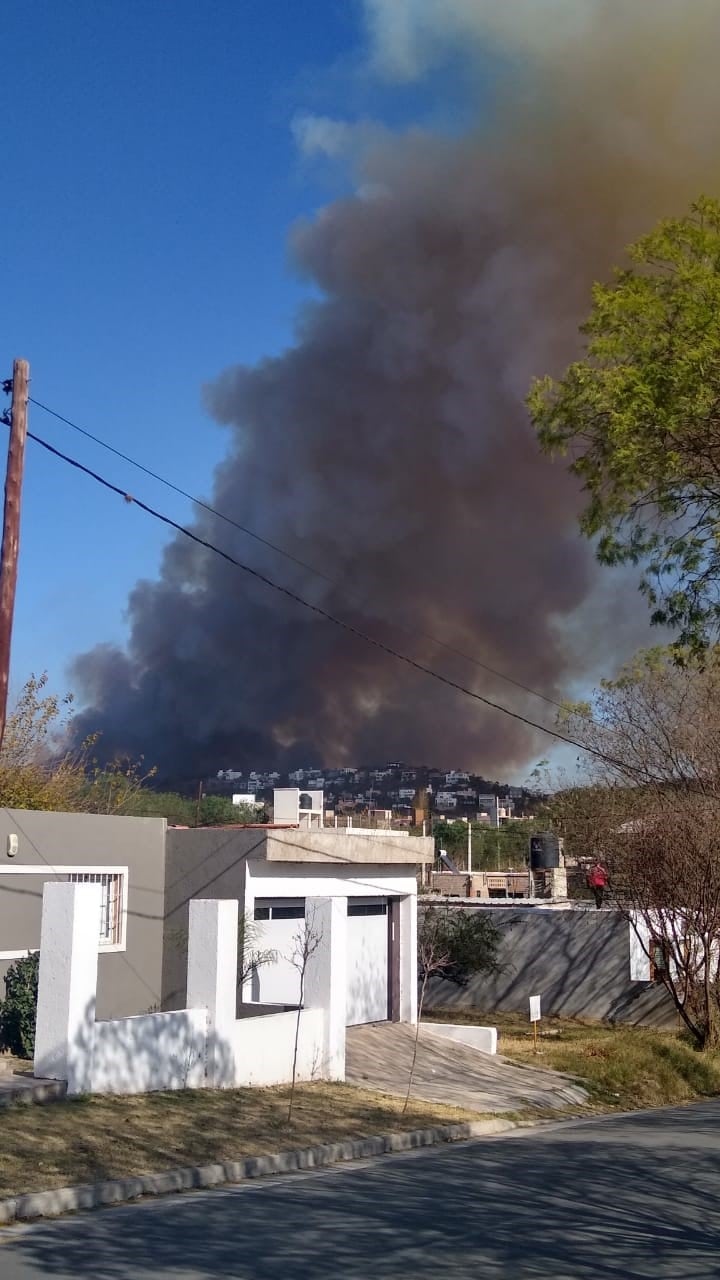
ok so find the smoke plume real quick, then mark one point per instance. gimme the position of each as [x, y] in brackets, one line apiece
[389, 447]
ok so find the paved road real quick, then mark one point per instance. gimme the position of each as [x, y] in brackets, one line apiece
[608, 1200]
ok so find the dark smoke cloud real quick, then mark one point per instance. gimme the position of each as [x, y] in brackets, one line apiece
[389, 447]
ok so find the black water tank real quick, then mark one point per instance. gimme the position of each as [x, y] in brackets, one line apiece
[544, 851]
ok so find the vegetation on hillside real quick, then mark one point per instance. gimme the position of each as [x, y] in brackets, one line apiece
[493, 848]
[38, 772]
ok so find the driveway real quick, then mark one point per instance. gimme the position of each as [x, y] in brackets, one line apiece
[621, 1198]
[378, 1056]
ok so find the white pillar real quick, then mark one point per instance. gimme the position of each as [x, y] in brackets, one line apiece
[408, 958]
[326, 977]
[69, 940]
[212, 981]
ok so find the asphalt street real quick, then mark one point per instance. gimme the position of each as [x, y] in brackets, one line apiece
[614, 1198]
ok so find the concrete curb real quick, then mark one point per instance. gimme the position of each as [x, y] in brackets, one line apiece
[25, 1094]
[95, 1195]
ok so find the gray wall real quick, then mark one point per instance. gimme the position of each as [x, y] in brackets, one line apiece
[128, 982]
[577, 960]
[204, 863]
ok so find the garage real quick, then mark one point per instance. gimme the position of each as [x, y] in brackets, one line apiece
[367, 960]
[279, 924]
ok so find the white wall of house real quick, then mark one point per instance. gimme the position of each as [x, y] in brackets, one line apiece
[264, 1048]
[203, 1045]
[368, 889]
[279, 981]
[148, 1052]
[639, 949]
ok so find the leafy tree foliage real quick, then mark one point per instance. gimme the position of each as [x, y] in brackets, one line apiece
[18, 1010]
[36, 772]
[455, 944]
[640, 417]
[493, 848]
[218, 811]
[451, 836]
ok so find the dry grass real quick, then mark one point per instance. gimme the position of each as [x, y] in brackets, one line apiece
[88, 1139]
[624, 1067]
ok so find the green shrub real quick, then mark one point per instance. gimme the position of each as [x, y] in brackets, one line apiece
[19, 1008]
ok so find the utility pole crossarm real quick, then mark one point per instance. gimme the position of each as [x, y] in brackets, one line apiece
[11, 525]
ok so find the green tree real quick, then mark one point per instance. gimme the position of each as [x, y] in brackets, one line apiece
[219, 811]
[36, 772]
[640, 417]
[452, 944]
[451, 836]
[180, 811]
[18, 1011]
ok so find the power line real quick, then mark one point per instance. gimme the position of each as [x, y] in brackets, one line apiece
[272, 546]
[317, 609]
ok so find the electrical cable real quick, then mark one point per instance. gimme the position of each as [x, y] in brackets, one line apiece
[303, 564]
[317, 609]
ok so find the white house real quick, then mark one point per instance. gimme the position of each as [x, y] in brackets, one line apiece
[273, 872]
[351, 893]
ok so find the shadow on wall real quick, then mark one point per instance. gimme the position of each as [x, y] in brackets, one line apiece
[149, 1052]
[579, 961]
[424, 1218]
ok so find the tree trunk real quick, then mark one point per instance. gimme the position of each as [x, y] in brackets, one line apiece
[295, 1050]
[421, 1002]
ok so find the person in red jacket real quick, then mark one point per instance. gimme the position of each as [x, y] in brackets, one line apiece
[598, 881]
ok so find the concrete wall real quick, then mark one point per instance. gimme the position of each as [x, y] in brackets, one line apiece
[201, 1046]
[482, 1038]
[579, 961]
[345, 846]
[263, 1048]
[129, 982]
[153, 1051]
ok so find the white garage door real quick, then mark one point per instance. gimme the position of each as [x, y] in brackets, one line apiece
[367, 960]
[278, 927]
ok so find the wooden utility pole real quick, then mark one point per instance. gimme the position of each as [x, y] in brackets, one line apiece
[11, 525]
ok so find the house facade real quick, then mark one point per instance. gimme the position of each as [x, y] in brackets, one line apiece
[148, 874]
[272, 872]
[126, 857]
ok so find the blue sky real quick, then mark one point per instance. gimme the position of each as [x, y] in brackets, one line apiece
[150, 181]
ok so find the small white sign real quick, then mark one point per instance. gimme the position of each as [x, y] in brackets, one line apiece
[535, 1008]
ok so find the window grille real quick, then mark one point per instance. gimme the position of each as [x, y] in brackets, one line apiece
[110, 903]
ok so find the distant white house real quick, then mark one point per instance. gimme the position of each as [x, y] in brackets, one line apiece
[247, 799]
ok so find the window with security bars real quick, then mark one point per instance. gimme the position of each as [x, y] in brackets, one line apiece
[110, 903]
